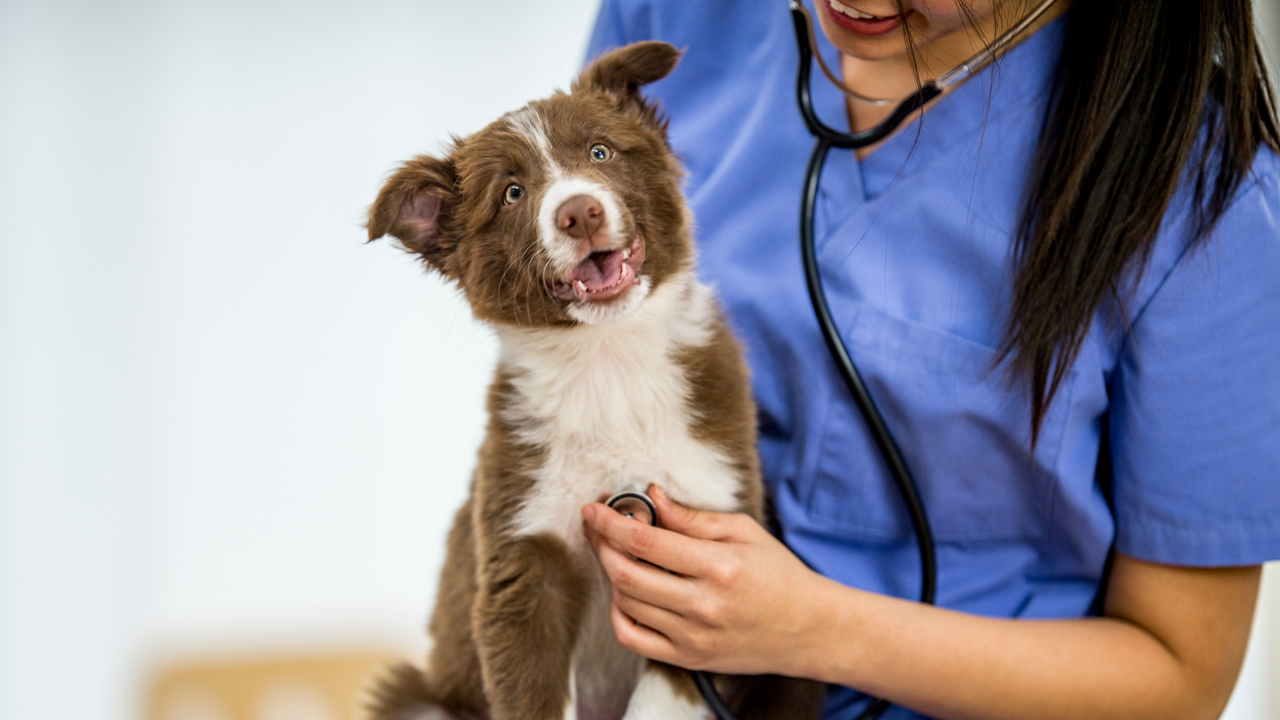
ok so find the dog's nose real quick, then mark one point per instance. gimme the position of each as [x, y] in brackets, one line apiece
[580, 216]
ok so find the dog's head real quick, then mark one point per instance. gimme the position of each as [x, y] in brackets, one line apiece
[565, 211]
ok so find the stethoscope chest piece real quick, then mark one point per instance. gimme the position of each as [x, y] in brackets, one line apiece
[635, 505]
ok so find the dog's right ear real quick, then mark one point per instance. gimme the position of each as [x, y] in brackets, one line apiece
[622, 72]
[416, 207]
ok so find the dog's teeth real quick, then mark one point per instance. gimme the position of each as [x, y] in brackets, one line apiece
[580, 287]
[626, 253]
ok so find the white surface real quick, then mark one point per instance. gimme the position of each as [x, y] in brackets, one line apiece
[1257, 694]
[225, 423]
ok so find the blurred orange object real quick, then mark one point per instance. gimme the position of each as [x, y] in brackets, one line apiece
[302, 687]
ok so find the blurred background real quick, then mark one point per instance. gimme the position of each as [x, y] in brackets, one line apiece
[232, 436]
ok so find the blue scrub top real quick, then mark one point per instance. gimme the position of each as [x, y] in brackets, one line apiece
[915, 246]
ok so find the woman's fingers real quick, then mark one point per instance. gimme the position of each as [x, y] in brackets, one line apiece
[664, 548]
[659, 619]
[640, 639]
[741, 602]
[695, 523]
[642, 581]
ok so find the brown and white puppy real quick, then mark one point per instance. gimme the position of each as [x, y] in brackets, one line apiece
[564, 225]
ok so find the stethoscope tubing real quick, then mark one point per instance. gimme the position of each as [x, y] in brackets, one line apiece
[825, 138]
[885, 441]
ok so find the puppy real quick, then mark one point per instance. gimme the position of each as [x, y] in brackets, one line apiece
[564, 226]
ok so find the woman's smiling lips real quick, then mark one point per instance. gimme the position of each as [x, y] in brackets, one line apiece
[860, 22]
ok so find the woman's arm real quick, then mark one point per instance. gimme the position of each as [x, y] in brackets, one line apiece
[1170, 646]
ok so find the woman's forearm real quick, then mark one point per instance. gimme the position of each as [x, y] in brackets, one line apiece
[953, 665]
[737, 601]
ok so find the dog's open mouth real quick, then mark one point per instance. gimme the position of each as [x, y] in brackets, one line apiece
[603, 275]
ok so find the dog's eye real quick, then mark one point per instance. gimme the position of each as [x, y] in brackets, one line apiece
[600, 153]
[512, 195]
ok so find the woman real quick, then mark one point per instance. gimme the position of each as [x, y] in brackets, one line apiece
[1080, 246]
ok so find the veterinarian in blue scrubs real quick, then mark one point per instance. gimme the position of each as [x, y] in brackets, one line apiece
[916, 245]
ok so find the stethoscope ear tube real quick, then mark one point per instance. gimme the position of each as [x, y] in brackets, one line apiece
[804, 98]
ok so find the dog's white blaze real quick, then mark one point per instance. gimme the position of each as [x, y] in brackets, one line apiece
[609, 403]
[530, 123]
[656, 699]
[563, 250]
[571, 710]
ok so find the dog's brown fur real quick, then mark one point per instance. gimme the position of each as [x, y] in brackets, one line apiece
[510, 608]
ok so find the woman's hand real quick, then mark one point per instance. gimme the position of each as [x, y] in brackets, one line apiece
[735, 600]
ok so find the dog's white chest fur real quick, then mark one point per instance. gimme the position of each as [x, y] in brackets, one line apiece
[610, 406]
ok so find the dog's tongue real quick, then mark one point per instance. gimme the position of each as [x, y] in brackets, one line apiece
[599, 270]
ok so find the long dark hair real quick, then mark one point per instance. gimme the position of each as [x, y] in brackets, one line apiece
[1148, 94]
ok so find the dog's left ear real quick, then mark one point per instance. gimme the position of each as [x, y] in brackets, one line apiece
[622, 73]
[416, 206]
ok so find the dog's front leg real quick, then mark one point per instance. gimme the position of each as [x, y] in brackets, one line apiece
[526, 621]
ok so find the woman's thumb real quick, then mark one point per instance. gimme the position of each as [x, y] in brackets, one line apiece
[687, 521]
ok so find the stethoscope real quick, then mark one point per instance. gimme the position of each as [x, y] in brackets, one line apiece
[637, 505]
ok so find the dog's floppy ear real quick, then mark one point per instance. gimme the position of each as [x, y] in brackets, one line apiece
[622, 73]
[416, 206]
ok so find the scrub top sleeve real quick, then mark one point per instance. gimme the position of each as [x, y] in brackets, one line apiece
[1195, 415]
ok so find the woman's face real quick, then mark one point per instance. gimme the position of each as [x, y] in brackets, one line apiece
[872, 29]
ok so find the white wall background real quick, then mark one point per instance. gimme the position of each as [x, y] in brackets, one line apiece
[226, 424]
